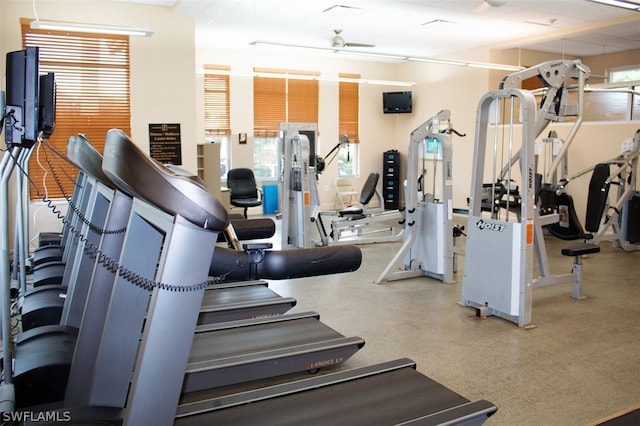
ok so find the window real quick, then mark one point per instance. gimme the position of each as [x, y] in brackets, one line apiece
[349, 124]
[92, 94]
[217, 121]
[624, 74]
[279, 96]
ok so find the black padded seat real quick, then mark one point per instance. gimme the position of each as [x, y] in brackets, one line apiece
[140, 176]
[253, 229]
[597, 198]
[367, 192]
[581, 249]
[351, 212]
[573, 230]
[244, 191]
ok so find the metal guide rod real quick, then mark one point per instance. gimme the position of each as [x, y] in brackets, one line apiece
[628, 154]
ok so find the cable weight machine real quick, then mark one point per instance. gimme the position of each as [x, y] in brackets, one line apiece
[428, 246]
[614, 218]
[498, 271]
[300, 198]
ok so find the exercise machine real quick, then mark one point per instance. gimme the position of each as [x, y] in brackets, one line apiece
[179, 224]
[224, 354]
[428, 248]
[27, 118]
[303, 222]
[300, 198]
[361, 225]
[44, 304]
[614, 218]
[498, 270]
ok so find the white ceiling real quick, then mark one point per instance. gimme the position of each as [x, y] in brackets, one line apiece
[426, 28]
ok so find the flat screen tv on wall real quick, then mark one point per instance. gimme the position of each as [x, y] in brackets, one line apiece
[396, 102]
[23, 88]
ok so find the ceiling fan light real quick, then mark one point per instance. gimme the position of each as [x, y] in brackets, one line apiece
[337, 41]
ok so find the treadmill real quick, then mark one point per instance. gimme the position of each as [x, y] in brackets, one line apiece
[284, 351]
[43, 305]
[388, 393]
[221, 354]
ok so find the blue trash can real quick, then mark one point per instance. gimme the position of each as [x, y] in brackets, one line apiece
[269, 199]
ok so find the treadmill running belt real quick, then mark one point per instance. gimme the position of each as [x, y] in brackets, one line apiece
[258, 338]
[247, 350]
[391, 397]
[241, 302]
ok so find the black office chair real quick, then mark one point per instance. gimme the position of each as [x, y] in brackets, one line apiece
[244, 192]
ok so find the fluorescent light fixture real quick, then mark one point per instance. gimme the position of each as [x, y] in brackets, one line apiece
[89, 28]
[437, 61]
[627, 4]
[372, 55]
[391, 56]
[388, 83]
[490, 66]
[485, 65]
[291, 46]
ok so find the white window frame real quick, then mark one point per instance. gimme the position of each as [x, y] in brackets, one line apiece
[635, 69]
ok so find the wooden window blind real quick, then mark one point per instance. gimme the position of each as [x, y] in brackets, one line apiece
[278, 99]
[92, 93]
[269, 105]
[302, 101]
[348, 115]
[216, 101]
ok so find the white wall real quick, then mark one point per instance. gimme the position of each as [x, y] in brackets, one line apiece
[163, 79]
[377, 130]
[438, 87]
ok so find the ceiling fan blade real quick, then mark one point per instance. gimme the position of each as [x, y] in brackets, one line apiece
[359, 45]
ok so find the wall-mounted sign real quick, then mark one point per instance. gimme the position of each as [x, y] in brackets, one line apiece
[165, 143]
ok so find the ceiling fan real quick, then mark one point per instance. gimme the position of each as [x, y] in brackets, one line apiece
[485, 5]
[338, 41]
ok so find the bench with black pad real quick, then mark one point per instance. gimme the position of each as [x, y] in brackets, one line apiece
[577, 251]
